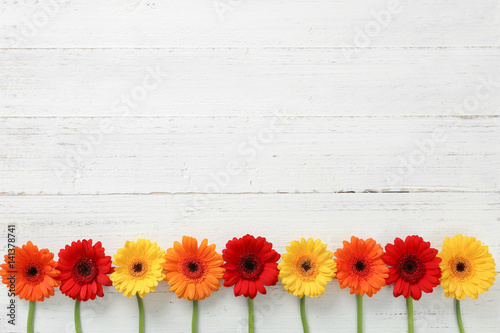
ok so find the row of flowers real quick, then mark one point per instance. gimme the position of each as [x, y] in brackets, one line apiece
[464, 267]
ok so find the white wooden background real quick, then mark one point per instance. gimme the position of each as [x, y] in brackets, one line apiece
[216, 118]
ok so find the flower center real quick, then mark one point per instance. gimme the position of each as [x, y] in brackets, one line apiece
[250, 266]
[84, 270]
[34, 273]
[410, 268]
[461, 268]
[138, 268]
[360, 267]
[306, 268]
[193, 268]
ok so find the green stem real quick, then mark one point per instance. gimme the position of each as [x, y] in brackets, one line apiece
[78, 326]
[194, 321]
[360, 312]
[409, 305]
[31, 315]
[303, 314]
[141, 313]
[250, 315]
[459, 316]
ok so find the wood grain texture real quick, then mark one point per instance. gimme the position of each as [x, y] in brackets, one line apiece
[286, 119]
[242, 81]
[141, 155]
[283, 217]
[241, 23]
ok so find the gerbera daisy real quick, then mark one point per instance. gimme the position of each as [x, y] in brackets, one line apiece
[468, 269]
[30, 274]
[193, 272]
[250, 265]
[360, 266]
[413, 268]
[32, 271]
[83, 269]
[306, 268]
[138, 270]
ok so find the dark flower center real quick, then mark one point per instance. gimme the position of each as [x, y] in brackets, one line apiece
[84, 270]
[193, 268]
[137, 268]
[250, 266]
[462, 268]
[360, 267]
[306, 265]
[410, 268]
[34, 273]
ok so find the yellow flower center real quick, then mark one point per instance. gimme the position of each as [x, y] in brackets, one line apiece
[138, 268]
[461, 268]
[306, 267]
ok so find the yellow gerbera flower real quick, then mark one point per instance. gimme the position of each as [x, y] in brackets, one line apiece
[467, 267]
[306, 268]
[139, 268]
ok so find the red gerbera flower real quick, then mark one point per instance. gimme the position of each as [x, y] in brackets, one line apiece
[250, 265]
[83, 269]
[413, 266]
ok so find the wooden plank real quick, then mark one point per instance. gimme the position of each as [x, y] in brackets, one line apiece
[250, 82]
[241, 23]
[282, 218]
[140, 155]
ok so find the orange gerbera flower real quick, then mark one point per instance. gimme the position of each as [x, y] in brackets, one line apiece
[193, 272]
[30, 273]
[360, 266]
